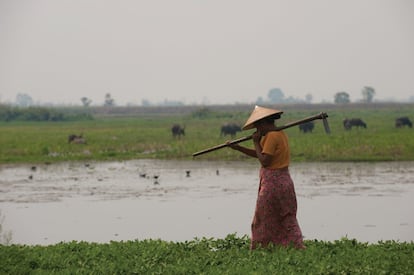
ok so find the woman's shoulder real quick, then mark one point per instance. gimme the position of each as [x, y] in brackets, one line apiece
[277, 133]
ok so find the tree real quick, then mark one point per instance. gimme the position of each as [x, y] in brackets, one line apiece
[309, 98]
[368, 94]
[342, 97]
[276, 95]
[259, 100]
[24, 100]
[86, 101]
[145, 102]
[109, 101]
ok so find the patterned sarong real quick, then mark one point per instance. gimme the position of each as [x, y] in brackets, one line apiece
[275, 215]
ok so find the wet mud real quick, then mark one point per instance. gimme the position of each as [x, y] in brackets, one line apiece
[181, 200]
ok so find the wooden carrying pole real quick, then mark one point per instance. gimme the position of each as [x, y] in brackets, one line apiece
[322, 116]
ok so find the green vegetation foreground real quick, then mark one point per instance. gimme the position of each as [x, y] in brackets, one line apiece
[208, 256]
[122, 134]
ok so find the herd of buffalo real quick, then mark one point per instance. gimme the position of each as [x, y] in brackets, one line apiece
[348, 123]
[231, 129]
[226, 129]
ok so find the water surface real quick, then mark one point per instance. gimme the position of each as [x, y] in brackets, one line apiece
[181, 200]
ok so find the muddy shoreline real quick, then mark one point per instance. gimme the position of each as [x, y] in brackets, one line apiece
[181, 200]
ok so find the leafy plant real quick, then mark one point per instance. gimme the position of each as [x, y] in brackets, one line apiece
[230, 255]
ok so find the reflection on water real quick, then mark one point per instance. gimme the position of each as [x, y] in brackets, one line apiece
[179, 200]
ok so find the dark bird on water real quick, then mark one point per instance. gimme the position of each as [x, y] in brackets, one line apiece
[156, 179]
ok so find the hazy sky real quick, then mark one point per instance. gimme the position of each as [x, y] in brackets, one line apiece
[194, 51]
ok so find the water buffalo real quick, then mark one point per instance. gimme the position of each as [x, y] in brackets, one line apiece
[403, 121]
[230, 129]
[77, 139]
[177, 130]
[307, 127]
[353, 122]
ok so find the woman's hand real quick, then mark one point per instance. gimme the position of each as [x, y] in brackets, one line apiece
[248, 151]
[233, 146]
[256, 137]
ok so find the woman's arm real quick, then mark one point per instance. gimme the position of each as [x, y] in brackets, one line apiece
[244, 150]
[265, 159]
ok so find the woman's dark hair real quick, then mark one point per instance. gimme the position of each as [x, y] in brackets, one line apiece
[270, 119]
[275, 116]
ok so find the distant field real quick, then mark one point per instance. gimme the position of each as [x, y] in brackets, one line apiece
[123, 133]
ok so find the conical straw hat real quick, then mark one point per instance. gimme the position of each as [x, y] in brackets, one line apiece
[258, 114]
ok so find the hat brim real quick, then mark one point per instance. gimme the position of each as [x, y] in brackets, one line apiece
[260, 113]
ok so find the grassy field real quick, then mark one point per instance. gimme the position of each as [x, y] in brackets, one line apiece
[230, 255]
[131, 133]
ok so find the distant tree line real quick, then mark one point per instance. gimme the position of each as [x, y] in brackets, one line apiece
[276, 95]
[368, 94]
[9, 113]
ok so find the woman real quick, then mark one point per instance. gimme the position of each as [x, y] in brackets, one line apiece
[275, 215]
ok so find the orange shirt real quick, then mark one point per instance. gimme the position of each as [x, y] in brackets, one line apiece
[275, 144]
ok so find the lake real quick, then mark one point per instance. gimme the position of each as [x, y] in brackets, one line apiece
[177, 200]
